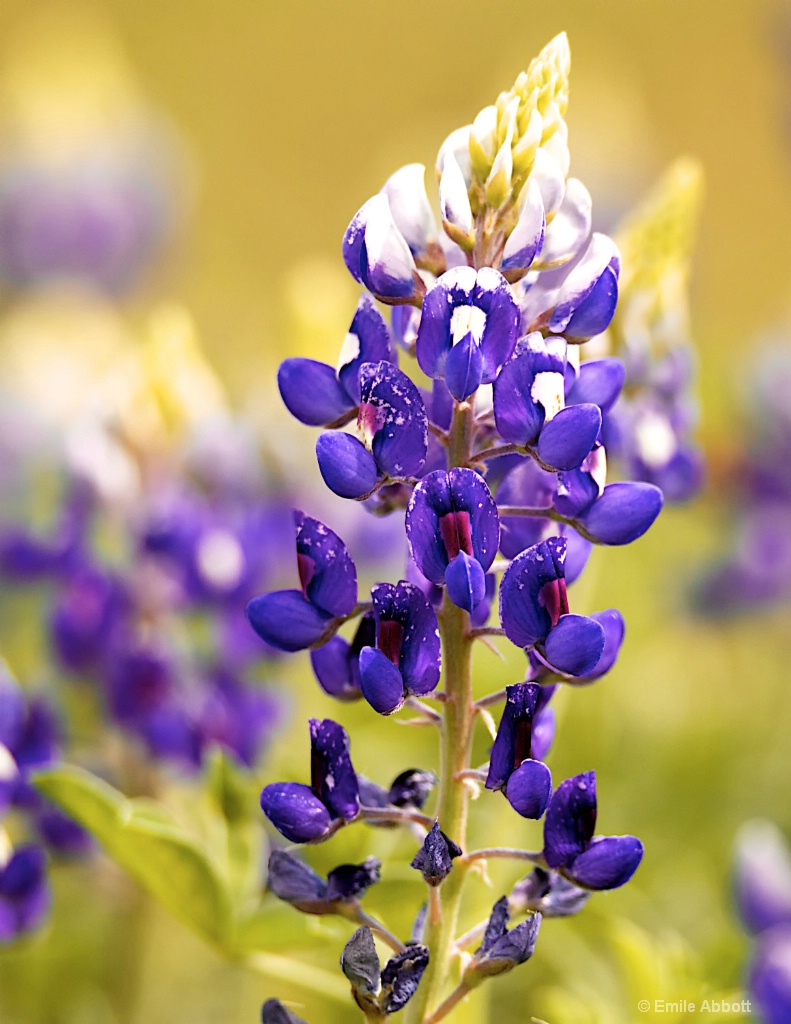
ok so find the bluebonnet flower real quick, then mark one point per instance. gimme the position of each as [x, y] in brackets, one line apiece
[307, 813]
[501, 949]
[453, 533]
[591, 862]
[516, 762]
[294, 619]
[317, 394]
[377, 254]
[434, 859]
[762, 878]
[406, 657]
[24, 892]
[291, 880]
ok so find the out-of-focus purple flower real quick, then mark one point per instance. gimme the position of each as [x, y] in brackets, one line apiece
[87, 611]
[453, 533]
[406, 658]
[514, 767]
[468, 328]
[292, 620]
[305, 814]
[501, 949]
[762, 877]
[24, 892]
[769, 978]
[315, 393]
[62, 835]
[591, 862]
[394, 427]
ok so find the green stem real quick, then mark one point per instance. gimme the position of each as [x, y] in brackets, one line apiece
[456, 734]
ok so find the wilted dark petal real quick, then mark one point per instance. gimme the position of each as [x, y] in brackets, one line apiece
[368, 341]
[419, 659]
[512, 743]
[567, 439]
[360, 962]
[529, 788]
[400, 441]
[295, 811]
[332, 587]
[273, 1012]
[570, 820]
[762, 876]
[332, 667]
[435, 858]
[466, 582]
[286, 620]
[515, 947]
[464, 368]
[769, 981]
[575, 645]
[623, 513]
[401, 976]
[600, 382]
[350, 880]
[345, 464]
[496, 925]
[526, 485]
[609, 861]
[333, 778]
[381, 681]
[550, 894]
[411, 788]
[292, 880]
[311, 391]
[523, 615]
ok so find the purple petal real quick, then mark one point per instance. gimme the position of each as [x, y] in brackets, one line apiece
[286, 620]
[600, 382]
[543, 732]
[332, 667]
[292, 880]
[575, 645]
[380, 681]
[594, 315]
[295, 811]
[454, 288]
[524, 394]
[332, 775]
[466, 581]
[368, 341]
[24, 892]
[523, 614]
[614, 628]
[623, 513]
[609, 861]
[480, 613]
[513, 742]
[332, 586]
[346, 465]
[419, 653]
[411, 788]
[582, 280]
[570, 820]
[470, 493]
[529, 788]
[578, 551]
[528, 485]
[464, 368]
[375, 252]
[567, 439]
[393, 403]
[311, 391]
[12, 709]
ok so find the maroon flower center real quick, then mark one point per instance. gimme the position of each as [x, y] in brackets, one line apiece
[456, 533]
[307, 570]
[552, 597]
[391, 634]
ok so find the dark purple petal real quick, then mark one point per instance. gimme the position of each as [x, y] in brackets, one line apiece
[332, 582]
[497, 924]
[526, 485]
[380, 681]
[401, 976]
[578, 551]
[286, 620]
[368, 341]
[332, 776]
[470, 493]
[529, 388]
[375, 252]
[418, 652]
[529, 788]
[62, 835]
[273, 1012]
[600, 382]
[609, 861]
[311, 392]
[769, 981]
[550, 894]
[578, 489]
[516, 946]
[435, 858]
[411, 788]
[466, 582]
[570, 820]
[582, 292]
[292, 880]
[567, 439]
[350, 880]
[295, 811]
[762, 877]
[464, 368]
[612, 622]
[503, 319]
[512, 744]
[333, 670]
[526, 586]
[594, 314]
[480, 613]
[38, 742]
[575, 645]
[24, 892]
[345, 464]
[434, 332]
[623, 513]
[88, 609]
[392, 410]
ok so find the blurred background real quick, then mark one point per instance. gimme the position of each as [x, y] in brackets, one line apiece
[243, 138]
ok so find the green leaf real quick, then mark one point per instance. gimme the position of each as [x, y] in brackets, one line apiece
[156, 852]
